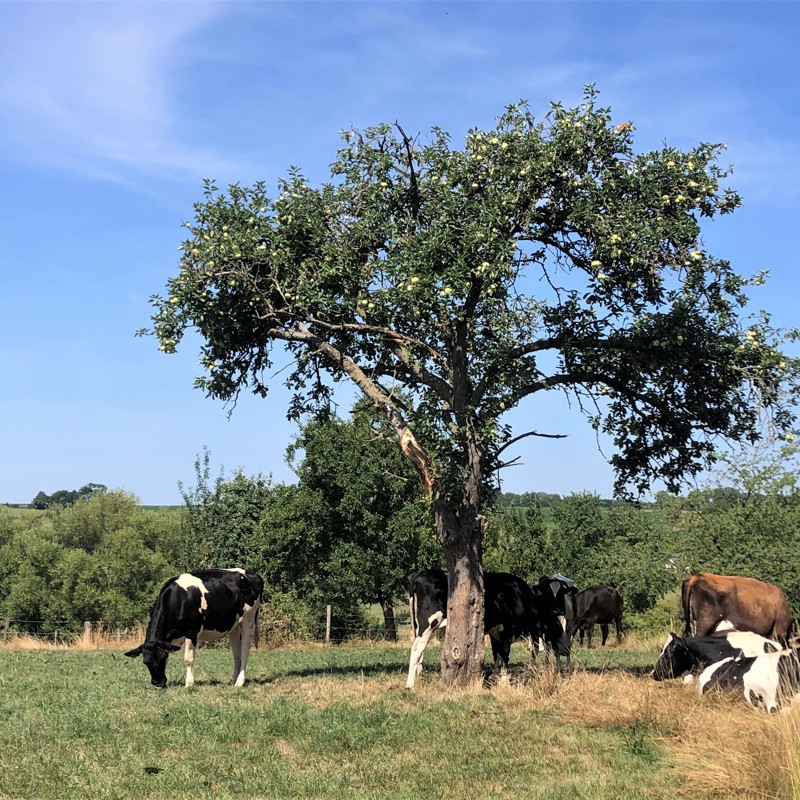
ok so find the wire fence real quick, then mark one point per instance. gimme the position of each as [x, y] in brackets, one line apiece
[272, 631]
[67, 632]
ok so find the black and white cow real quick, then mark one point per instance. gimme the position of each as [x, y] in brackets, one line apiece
[512, 611]
[202, 606]
[681, 655]
[559, 593]
[768, 680]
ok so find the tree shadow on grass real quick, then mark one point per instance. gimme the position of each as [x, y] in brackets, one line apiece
[343, 671]
[517, 674]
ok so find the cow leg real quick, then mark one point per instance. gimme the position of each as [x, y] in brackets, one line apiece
[580, 636]
[501, 650]
[540, 645]
[248, 633]
[604, 634]
[567, 655]
[589, 629]
[563, 645]
[188, 660]
[436, 622]
[235, 638]
[567, 662]
[618, 623]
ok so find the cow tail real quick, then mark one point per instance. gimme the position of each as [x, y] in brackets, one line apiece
[256, 635]
[686, 600]
[412, 605]
[571, 613]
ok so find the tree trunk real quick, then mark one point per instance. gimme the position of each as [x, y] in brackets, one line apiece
[461, 532]
[463, 650]
[389, 624]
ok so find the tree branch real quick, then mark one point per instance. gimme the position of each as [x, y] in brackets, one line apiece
[530, 433]
[407, 442]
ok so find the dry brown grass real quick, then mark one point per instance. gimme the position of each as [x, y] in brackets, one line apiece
[97, 641]
[718, 744]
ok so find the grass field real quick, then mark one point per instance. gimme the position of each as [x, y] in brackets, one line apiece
[336, 722]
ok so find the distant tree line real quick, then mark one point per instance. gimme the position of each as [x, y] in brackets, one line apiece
[65, 497]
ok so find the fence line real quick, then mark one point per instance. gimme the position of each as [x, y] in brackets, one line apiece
[69, 631]
[88, 631]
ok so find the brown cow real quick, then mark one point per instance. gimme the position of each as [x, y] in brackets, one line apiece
[722, 602]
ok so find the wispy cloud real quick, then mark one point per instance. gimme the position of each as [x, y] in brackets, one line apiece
[94, 87]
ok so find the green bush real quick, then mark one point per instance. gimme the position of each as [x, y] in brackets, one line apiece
[665, 616]
[284, 619]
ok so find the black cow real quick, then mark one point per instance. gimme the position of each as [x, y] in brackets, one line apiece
[597, 604]
[681, 655]
[512, 610]
[202, 606]
[767, 680]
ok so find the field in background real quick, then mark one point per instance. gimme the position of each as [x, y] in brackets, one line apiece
[336, 722]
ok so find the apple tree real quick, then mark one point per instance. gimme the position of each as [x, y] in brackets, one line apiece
[452, 283]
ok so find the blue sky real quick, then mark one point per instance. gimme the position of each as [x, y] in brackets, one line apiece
[113, 114]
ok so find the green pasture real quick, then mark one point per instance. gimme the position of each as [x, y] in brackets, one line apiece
[316, 722]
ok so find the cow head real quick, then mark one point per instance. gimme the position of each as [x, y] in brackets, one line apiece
[548, 621]
[154, 654]
[674, 660]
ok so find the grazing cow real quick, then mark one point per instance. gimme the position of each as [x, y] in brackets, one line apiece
[767, 680]
[201, 606]
[682, 655]
[560, 592]
[597, 604]
[512, 610]
[718, 602]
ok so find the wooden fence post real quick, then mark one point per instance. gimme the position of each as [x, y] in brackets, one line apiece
[6, 627]
[327, 624]
[87, 634]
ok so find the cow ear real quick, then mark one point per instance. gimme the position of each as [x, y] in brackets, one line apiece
[172, 648]
[137, 651]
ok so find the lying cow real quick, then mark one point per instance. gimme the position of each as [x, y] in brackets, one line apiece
[681, 655]
[598, 605]
[716, 602]
[767, 680]
[512, 610]
[201, 606]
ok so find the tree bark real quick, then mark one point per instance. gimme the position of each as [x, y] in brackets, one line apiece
[461, 532]
[463, 650]
[389, 624]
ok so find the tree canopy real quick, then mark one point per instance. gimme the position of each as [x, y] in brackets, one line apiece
[452, 283]
[376, 528]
